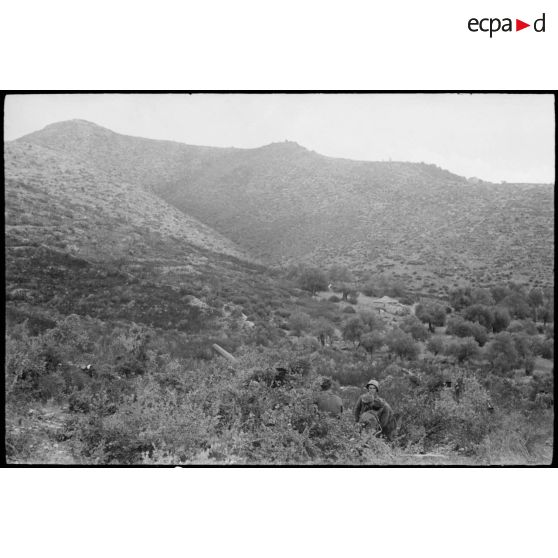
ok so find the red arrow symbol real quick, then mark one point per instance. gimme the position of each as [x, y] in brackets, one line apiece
[519, 25]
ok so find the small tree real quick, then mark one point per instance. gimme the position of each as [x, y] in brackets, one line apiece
[501, 352]
[299, 322]
[412, 325]
[501, 319]
[463, 349]
[313, 280]
[402, 344]
[353, 330]
[460, 298]
[351, 296]
[432, 314]
[462, 328]
[524, 348]
[536, 299]
[517, 305]
[435, 345]
[372, 321]
[499, 292]
[481, 314]
[323, 330]
[372, 341]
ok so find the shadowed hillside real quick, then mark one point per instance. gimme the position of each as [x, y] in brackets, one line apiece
[79, 242]
[285, 204]
[90, 205]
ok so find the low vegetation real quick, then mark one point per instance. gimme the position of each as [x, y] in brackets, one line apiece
[161, 395]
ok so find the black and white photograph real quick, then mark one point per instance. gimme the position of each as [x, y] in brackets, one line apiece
[279, 279]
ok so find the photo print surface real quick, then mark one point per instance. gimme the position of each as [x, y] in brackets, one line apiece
[279, 279]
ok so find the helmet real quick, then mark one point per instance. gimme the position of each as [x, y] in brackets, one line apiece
[325, 382]
[373, 383]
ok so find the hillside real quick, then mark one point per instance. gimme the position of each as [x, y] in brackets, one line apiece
[286, 204]
[39, 178]
[118, 285]
[79, 242]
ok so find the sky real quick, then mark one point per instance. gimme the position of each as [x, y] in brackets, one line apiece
[494, 137]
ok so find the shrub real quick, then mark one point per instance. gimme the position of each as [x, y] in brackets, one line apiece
[535, 345]
[299, 322]
[501, 319]
[529, 327]
[529, 365]
[323, 330]
[402, 344]
[349, 310]
[435, 345]
[464, 415]
[515, 327]
[451, 409]
[369, 289]
[461, 328]
[501, 352]
[499, 292]
[353, 330]
[482, 297]
[372, 341]
[480, 314]
[371, 321]
[517, 305]
[460, 298]
[412, 325]
[334, 298]
[463, 349]
[432, 314]
[312, 280]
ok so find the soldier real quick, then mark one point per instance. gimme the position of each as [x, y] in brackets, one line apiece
[373, 412]
[328, 402]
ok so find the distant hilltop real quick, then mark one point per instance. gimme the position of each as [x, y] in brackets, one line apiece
[285, 204]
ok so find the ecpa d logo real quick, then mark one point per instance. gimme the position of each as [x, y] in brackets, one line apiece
[492, 25]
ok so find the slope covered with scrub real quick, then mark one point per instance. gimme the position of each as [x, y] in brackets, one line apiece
[287, 204]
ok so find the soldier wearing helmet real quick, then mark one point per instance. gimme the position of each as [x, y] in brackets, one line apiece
[373, 412]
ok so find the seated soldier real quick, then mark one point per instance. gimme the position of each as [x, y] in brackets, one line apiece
[328, 402]
[373, 412]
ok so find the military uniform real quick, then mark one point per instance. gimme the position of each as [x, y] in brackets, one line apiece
[329, 403]
[373, 411]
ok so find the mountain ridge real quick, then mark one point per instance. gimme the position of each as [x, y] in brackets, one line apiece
[292, 144]
[63, 126]
[285, 204]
